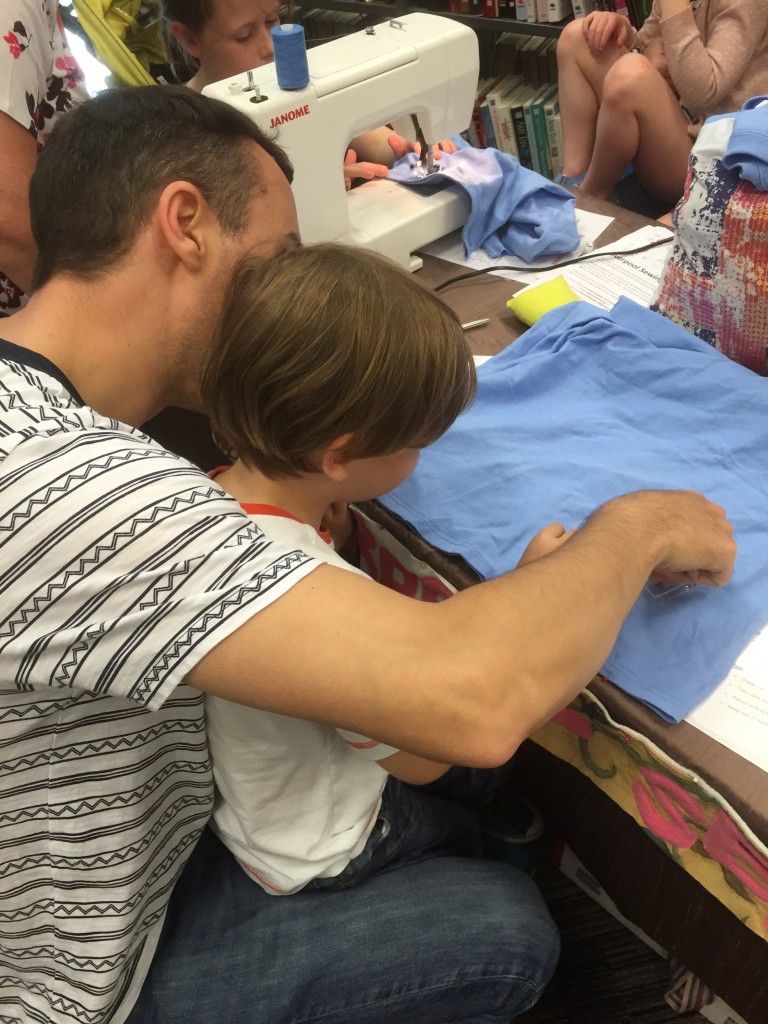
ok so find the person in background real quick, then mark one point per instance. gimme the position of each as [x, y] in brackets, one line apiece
[638, 97]
[221, 38]
[39, 82]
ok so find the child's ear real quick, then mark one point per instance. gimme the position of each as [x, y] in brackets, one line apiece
[186, 38]
[334, 463]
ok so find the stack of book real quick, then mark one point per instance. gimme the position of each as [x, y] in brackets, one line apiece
[517, 109]
[519, 118]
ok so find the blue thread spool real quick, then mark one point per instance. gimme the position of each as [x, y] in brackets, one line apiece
[290, 56]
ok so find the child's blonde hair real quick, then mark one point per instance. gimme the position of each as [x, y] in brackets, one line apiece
[328, 340]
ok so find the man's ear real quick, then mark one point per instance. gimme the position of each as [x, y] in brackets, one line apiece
[184, 220]
[333, 462]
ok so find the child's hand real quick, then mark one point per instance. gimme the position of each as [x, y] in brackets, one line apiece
[366, 170]
[401, 146]
[545, 542]
[600, 27]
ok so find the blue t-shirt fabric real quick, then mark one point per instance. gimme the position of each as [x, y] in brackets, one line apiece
[747, 150]
[514, 211]
[588, 405]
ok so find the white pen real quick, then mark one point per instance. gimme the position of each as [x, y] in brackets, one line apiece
[475, 323]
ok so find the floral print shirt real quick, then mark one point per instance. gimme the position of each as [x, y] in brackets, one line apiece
[39, 81]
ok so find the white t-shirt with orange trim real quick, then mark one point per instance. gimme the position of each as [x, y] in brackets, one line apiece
[294, 800]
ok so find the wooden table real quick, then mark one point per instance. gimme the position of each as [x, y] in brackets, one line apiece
[485, 296]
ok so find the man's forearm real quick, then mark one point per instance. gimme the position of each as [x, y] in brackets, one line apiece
[464, 682]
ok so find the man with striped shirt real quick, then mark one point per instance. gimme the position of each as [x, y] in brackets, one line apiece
[131, 584]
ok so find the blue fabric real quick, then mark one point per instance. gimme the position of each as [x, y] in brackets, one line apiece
[514, 211]
[747, 150]
[588, 405]
[449, 937]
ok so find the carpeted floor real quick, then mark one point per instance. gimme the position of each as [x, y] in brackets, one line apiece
[606, 975]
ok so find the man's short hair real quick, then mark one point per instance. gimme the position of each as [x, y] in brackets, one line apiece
[99, 176]
[328, 340]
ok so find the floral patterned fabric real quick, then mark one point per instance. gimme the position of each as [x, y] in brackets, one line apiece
[39, 81]
[676, 808]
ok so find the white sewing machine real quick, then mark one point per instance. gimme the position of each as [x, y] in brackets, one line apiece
[420, 64]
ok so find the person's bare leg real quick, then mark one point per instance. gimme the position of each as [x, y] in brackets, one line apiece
[639, 122]
[580, 81]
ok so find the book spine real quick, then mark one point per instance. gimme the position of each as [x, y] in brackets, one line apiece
[493, 107]
[521, 137]
[506, 138]
[528, 118]
[579, 8]
[475, 132]
[530, 10]
[557, 160]
[542, 10]
[558, 9]
[551, 110]
[488, 129]
[540, 138]
[490, 8]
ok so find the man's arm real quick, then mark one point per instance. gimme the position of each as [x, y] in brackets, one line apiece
[465, 681]
[18, 155]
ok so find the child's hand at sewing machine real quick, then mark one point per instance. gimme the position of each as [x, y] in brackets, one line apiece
[547, 540]
[355, 169]
[401, 146]
[371, 154]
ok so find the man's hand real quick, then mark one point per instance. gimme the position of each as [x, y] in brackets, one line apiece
[547, 540]
[692, 539]
[602, 27]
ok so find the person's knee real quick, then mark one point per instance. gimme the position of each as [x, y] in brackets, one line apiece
[626, 81]
[521, 940]
[571, 42]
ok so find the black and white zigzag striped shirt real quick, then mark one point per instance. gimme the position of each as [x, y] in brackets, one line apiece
[120, 566]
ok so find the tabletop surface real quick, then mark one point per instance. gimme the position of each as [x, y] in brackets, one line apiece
[486, 295]
[742, 783]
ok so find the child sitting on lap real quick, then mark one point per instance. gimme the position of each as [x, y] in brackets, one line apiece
[333, 368]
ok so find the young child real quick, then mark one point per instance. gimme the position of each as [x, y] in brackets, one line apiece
[333, 368]
[325, 398]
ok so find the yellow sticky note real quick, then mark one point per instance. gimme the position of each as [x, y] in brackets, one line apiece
[533, 303]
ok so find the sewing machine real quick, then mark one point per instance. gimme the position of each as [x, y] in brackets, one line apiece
[420, 64]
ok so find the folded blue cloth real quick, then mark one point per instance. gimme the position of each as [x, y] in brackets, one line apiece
[747, 150]
[514, 211]
[588, 405]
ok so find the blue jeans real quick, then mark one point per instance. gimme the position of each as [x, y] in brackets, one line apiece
[425, 932]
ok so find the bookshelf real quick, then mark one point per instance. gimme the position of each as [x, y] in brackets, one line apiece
[355, 14]
[381, 11]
